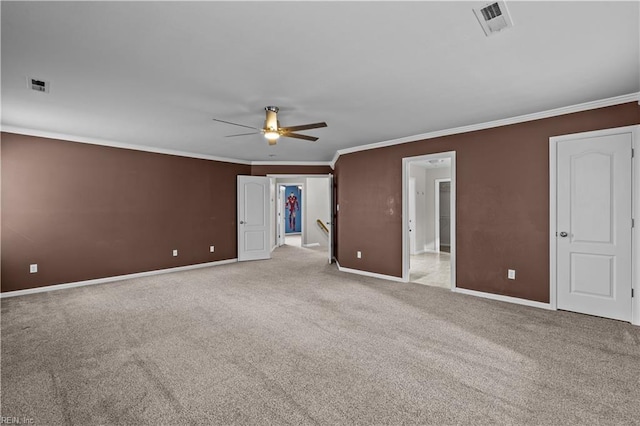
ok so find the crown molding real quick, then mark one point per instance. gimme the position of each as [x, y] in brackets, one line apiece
[334, 160]
[96, 141]
[291, 163]
[103, 142]
[617, 100]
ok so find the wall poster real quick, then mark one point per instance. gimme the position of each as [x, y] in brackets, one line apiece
[292, 209]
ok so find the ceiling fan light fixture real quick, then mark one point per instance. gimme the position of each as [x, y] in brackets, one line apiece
[272, 130]
[272, 135]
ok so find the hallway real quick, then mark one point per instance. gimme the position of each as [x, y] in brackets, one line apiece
[432, 269]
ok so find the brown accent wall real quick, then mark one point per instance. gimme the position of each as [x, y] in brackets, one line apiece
[85, 211]
[502, 201]
[290, 170]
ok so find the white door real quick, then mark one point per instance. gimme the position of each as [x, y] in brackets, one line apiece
[412, 215]
[330, 216]
[280, 219]
[253, 218]
[593, 240]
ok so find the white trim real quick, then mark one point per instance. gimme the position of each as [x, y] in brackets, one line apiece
[291, 163]
[311, 245]
[337, 155]
[553, 212]
[436, 240]
[406, 257]
[144, 148]
[296, 175]
[635, 247]
[112, 279]
[617, 100]
[501, 298]
[369, 274]
[635, 235]
[280, 213]
[102, 142]
[330, 223]
[412, 215]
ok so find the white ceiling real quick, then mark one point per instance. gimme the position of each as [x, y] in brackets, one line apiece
[156, 73]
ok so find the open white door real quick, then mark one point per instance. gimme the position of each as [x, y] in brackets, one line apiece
[412, 215]
[254, 228]
[280, 208]
[330, 216]
[594, 181]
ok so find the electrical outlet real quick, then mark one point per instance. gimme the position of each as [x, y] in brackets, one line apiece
[175, 253]
[212, 249]
[33, 268]
[359, 255]
[511, 274]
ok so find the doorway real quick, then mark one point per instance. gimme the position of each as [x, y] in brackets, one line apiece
[292, 217]
[443, 215]
[429, 219]
[303, 212]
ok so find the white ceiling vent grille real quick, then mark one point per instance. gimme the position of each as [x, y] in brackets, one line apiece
[493, 17]
[38, 85]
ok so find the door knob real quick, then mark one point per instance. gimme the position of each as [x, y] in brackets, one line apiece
[563, 234]
[242, 222]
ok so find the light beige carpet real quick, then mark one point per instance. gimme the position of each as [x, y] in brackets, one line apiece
[293, 341]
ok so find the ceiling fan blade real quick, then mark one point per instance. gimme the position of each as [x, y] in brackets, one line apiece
[236, 124]
[243, 134]
[303, 127]
[298, 136]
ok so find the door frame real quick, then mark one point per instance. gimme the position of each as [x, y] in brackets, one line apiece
[330, 176]
[635, 202]
[436, 239]
[279, 213]
[303, 209]
[406, 259]
[411, 199]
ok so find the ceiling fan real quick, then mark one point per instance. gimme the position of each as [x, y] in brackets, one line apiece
[272, 130]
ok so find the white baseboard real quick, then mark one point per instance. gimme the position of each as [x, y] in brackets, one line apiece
[311, 245]
[112, 279]
[369, 274]
[502, 298]
[475, 293]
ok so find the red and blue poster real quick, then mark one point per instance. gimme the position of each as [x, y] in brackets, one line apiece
[292, 210]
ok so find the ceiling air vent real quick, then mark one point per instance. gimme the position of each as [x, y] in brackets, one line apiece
[493, 17]
[38, 85]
